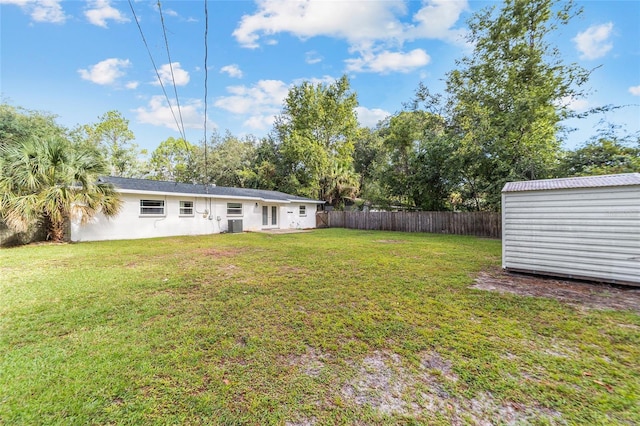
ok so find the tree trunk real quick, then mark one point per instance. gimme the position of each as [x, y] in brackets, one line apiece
[55, 230]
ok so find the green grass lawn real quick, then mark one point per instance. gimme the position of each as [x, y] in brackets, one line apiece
[328, 327]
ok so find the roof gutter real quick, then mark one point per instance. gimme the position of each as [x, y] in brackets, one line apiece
[221, 197]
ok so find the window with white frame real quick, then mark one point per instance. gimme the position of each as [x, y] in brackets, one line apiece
[303, 210]
[186, 208]
[234, 209]
[152, 207]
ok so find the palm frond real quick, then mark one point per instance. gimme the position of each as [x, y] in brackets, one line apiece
[52, 179]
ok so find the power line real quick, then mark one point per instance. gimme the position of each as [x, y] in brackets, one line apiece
[206, 79]
[173, 79]
[144, 40]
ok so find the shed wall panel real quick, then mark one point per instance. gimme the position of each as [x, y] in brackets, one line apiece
[584, 233]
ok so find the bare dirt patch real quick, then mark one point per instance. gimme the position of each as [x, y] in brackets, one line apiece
[390, 241]
[378, 385]
[384, 384]
[285, 231]
[578, 293]
[304, 422]
[216, 253]
[292, 271]
[312, 361]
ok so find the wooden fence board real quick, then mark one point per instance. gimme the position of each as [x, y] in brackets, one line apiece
[482, 224]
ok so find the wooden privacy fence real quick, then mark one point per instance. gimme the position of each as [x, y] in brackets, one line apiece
[482, 224]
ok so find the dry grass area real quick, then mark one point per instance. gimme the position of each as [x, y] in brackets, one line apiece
[582, 294]
[382, 384]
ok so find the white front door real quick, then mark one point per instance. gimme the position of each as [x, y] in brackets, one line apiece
[269, 216]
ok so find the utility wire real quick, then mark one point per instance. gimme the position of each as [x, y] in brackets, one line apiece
[173, 79]
[144, 40]
[206, 79]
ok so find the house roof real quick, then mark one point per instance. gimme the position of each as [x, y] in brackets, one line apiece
[624, 179]
[213, 191]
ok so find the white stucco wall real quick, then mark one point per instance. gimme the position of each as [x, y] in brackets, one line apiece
[210, 217]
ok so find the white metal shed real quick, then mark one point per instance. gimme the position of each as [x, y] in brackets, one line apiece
[582, 227]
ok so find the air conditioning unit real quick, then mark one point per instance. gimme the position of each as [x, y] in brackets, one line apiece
[235, 226]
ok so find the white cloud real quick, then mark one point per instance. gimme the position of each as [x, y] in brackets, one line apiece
[158, 113]
[105, 72]
[634, 90]
[99, 11]
[593, 43]
[243, 99]
[374, 29]
[260, 122]
[573, 103]
[41, 10]
[385, 62]
[355, 20]
[370, 117]
[358, 22]
[436, 19]
[132, 85]
[180, 76]
[233, 70]
[312, 57]
[325, 79]
[21, 3]
[262, 101]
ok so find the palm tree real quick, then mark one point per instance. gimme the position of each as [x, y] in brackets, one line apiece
[340, 184]
[51, 181]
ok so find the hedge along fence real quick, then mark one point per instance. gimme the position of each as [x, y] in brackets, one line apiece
[481, 224]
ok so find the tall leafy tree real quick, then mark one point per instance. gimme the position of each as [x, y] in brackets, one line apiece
[316, 132]
[432, 178]
[112, 136]
[415, 170]
[507, 97]
[49, 180]
[369, 158]
[401, 134]
[18, 123]
[263, 172]
[606, 153]
[174, 160]
[227, 159]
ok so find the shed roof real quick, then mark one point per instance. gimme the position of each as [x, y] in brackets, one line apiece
[147, 185]
[624, 179]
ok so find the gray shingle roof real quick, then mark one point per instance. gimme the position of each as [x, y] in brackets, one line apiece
[624, 179]
[131, 184]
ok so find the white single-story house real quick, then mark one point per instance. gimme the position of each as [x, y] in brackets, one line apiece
[581, 227]
[161, 209]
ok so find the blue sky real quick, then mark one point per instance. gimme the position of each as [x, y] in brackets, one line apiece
[80, 59]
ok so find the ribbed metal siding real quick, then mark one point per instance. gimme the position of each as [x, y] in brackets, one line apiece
[591, 233]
